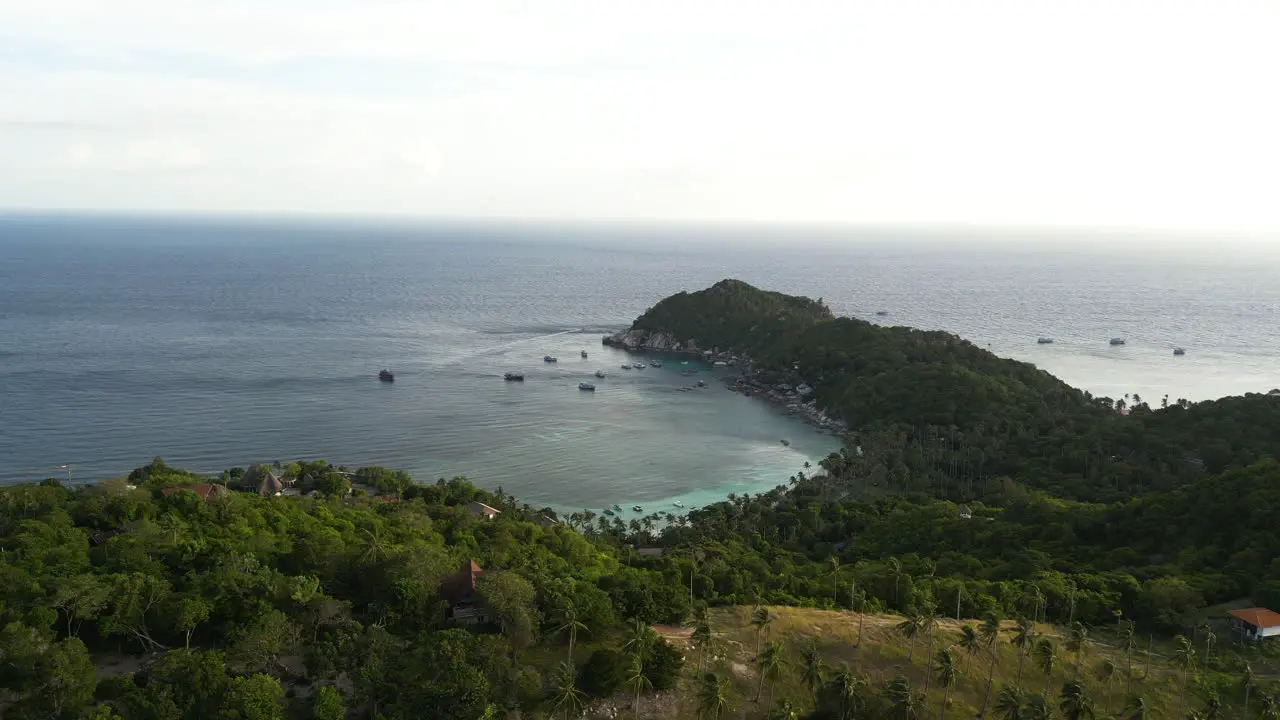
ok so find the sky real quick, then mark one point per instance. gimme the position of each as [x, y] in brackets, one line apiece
[1077, 113]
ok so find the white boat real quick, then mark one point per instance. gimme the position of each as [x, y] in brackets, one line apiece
[1117, 341]
[637, 508]
[656, 363]
[677, 503]
[586, 386]
[639, 366]
[599, 373]
[584, 353]
[548, 358]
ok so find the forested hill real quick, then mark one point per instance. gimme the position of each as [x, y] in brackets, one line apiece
[934, 412]
[733, 316]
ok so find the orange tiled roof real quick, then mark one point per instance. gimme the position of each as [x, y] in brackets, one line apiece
[1257, 617]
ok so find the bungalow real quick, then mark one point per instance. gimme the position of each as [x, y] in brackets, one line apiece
[480, 511]
[1255, 623]
[546, 522]
[259, 479]
[649, 551]
[204, 490]
[459, 590]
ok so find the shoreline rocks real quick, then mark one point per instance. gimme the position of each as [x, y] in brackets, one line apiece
[791, 399]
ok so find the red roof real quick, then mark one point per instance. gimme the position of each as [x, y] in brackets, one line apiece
[1257, 617]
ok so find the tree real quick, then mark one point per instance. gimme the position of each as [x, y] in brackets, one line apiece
[258, 645]
[1247, 682]
[1077, 638]
[929, 624]
[637, 680]
[713, 696]
[769, 664]
[565, 695]
[135, 598]
[834, 563]
[192, 611]
[1039, 708]
[784, 710]
[1185, 656]
[604, 672]
[79, 598]
[1074, 702]
[639, 637]
[257, 697]
[1024, 637]
[327, 704]
[701, 639]
[1106, 673]
[761, 619]
[1127, 641]
[895, 572]
[510, 598]
[1135, 708]
[910, 628]
[947, 671]
[571, 625]
[990, 633]
[1010, 704]
[1209, 640]
[970, 642]
[1046, 657]
[47, 678]
[812, 669]
[903, 703]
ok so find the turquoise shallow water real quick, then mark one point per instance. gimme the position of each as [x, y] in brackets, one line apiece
[217, 343]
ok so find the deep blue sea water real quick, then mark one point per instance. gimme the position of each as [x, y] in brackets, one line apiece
[223, 342]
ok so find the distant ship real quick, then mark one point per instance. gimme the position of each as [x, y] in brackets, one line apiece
[386, 376]
[586, 386]
[1045, 341]
[548, 358]
[599, 373]
[656, 363]
[584, 353]
[1179, 351]
[514, 376]
[882, 313]
[626, 367]
[638, 366]
[1117, 341]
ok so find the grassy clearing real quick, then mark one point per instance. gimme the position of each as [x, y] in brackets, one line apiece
[883, 655]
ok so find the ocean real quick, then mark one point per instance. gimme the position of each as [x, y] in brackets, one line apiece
[223, 342]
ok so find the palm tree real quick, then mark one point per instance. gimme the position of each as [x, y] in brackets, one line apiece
[970, 642]
[834, 562]
[910, 629]
[783, 711]
[1127, 642]
[1039, 708]
[637, 680]
[713, 696]
[1010, 703]
[1024, 635]
[811, 669]
[1075, 703]
[638, 637]
[1077, 638]
[1270, 708]
[1135, 708]
[761, 619]
[1046, 657]
[1185, 655]
[1248, 680]
[701, 639]
[1209, 640]
[850, 692]
[904, 704]
[947, 674]
[990, 634]
[565, 693]
[929, 624]
[571, 625]
[1106, 673]
[895, 571]
[768, 665]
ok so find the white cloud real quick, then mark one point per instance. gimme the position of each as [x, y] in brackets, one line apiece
[1082, 113]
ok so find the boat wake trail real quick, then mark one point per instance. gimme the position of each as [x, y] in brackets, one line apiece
[458, 359]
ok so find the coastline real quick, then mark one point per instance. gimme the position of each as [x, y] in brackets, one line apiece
[795, 401]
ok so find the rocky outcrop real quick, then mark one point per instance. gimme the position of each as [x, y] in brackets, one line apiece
[645, 340]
